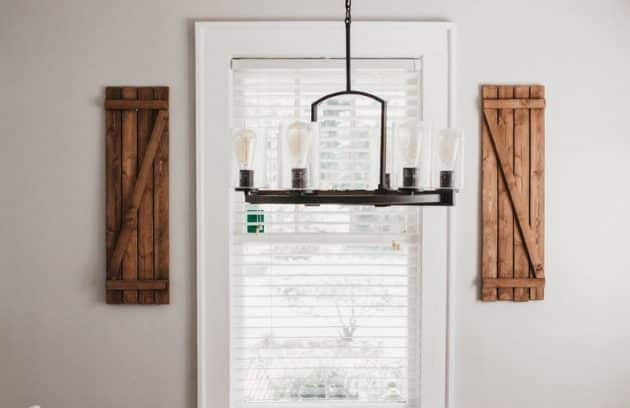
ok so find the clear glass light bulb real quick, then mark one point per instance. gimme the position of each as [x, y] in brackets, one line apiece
[244, 144]
[449, 141]
[409, 139]
[299, 143]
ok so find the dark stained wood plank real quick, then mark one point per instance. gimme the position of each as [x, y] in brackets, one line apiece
[113, 193]
[148, 285]
[537, 197]
[130, 218]
[489, 203]
[519, 103]
[521, 175]
[506, 216]
[129, 173]
[122, 104]
[145, 210]
[515, 283]
[161, 206]
[133, 223]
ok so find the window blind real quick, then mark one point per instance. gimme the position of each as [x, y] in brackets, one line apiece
[325, 301]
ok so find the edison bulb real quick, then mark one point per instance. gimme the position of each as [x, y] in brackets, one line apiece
[244, 147]
[409, 138]
[244, 143]
[449, 144]
[299, 143]
[298, 139]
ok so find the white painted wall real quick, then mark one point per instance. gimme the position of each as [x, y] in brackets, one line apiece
[61, 346]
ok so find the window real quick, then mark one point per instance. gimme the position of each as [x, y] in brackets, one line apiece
[325, 301]
[218, 44]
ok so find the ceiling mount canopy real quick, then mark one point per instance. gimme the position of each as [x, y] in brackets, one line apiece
[384, 195]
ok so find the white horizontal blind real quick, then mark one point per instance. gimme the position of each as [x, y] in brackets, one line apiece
[269, 93]
[324, 300]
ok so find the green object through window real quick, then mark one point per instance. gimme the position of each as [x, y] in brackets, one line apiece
[255, 222]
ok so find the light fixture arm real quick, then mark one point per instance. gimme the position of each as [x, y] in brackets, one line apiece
[382, 184]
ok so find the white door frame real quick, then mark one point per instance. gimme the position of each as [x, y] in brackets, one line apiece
[216, 44]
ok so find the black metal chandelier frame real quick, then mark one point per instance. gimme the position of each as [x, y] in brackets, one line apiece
[384, 195]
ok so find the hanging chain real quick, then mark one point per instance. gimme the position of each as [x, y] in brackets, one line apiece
[348, 21]
[348, 7]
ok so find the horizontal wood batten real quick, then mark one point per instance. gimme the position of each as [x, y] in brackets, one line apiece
[514, 283]
[136, 284]
[122, 104]
[513, 103]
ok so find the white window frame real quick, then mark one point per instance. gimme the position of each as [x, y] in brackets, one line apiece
[217, 43]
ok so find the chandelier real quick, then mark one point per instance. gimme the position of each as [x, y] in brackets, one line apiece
[299, 136]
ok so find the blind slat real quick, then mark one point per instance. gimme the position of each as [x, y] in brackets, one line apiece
[324, 300]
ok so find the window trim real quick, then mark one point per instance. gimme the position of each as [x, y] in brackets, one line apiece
[217, 43]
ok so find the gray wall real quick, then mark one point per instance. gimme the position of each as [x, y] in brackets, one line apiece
[61, 346]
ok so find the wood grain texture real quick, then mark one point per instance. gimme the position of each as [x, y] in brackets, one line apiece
[130, 219]
[521, 174]
[137, 197]
[518, 103]
[129, 173]
[513, 207]
[113, 191]
[515, 283]
[161, 205]
[506, 216]
[519, 203]
[128, 104]
[489, 203]
[148, 285]
[145, 210]
[537, 198]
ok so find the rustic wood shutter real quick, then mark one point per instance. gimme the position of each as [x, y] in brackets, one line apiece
[137, 195]
[513, 166]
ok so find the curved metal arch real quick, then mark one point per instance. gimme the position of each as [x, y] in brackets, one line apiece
[382, 185]
[315, 104]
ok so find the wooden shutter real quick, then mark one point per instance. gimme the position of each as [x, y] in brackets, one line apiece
[137, 195]
[513, 166]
